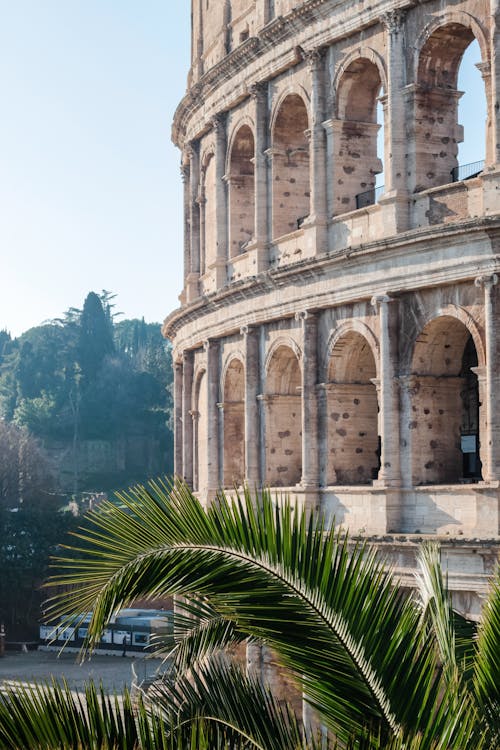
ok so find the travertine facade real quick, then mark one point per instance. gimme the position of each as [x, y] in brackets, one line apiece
[343, 349]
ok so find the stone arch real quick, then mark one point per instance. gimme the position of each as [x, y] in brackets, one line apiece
[290, 164]
[207, 203]
[199, 414]
[446, 418]
[450, 311]
[236, 125]
[353, 449]
[438, 55]
[342, 329]
[240, 176]
[286, 341]
[448, 18]
[362, 52]
[283, 417]
[233, 397]
[358, 85]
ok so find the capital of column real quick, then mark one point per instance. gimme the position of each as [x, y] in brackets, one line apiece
[217, 122]
[220, 406]
[408, 384]
[258, 90]
[187, 356]
[195, 415]
[393, 20]
[185, 170]
[304, 315]
[247, 330]
[380, 299]
[488, 282]
[485, 70]
[315, 58]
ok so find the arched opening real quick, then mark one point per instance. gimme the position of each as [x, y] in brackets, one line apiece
[234, 424]
[200, 434]
[352, 413]
[446, 415]
[472, 110]
[356, 161]
[208, 222]
[290, 166]
[283, 419]
[438, 130]
[241, 191]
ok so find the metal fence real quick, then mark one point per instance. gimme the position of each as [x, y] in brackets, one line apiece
[369, 197]
[467, 171]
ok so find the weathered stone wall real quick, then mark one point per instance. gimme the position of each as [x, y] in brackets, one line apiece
[363, 326]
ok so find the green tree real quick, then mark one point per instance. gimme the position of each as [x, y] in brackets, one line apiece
[96, 336]
[381, 669]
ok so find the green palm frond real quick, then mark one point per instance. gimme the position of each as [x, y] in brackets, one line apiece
[454, 635]
[198, 632]
[486, 686]
[330, 611]
[235, 708]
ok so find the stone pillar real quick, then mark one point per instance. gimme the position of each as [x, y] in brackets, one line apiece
[407, 387]
[492, 437]
[193, 276]
[331, 128]
[396, 142]
[395, 124]
[187, 422]
[212, 457]
[221, 207]
[389, 474]
[262, 213]
[220, 444]
[185, 177]
[198, 43]
[317, 150]
[252, 428]
[310, 444]
[494, 99]
[178, 389]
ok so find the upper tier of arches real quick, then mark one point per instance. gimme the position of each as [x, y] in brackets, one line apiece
[332, 136]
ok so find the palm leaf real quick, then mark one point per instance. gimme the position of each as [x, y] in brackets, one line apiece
[486, 686]
[234, 708]
[331, 612]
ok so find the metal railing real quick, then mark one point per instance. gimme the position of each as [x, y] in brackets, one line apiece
[467, 171]
[369, 197]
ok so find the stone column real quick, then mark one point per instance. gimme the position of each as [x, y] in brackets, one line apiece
[395, 124]
[220, 444]
[198, 43]
[252, 437]
[317, 150]
[212, 457]
[494, 100]
[492, 437]
[396, 142]
[221, 207]
[178, 389]
[185, 177]
[193, 276]
[187, 422]
[310, 445]
[389, 474]
[262, 213]
[407, 388]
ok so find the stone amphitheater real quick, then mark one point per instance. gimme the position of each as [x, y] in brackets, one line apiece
[336, 338]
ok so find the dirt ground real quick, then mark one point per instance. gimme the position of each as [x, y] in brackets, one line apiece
[114, 672]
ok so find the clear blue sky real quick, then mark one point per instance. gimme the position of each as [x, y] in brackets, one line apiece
[90, 191]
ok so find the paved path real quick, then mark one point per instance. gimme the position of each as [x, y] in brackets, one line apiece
[41, 666]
